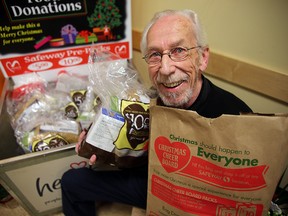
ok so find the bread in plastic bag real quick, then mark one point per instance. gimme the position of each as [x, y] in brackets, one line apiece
[119, 135]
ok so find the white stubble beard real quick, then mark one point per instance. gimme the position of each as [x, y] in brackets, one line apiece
[166, 98]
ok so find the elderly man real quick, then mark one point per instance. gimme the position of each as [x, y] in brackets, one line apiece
[176, 52]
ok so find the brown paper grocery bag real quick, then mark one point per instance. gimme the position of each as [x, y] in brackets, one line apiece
[228, 166]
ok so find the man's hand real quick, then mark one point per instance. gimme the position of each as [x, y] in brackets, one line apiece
[93, 158]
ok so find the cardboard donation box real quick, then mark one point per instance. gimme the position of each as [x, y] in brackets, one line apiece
[45, 49]
[229, 165]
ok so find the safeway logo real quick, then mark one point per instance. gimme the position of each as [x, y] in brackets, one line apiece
[13, 66]
[121, 50]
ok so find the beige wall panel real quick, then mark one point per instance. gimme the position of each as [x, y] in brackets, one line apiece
[250, 32]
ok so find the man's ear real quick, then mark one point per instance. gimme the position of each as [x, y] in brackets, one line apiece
[205, 58]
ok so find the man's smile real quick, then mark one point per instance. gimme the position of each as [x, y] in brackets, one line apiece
[173, 84]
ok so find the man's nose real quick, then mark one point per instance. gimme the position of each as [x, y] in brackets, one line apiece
[167, 66]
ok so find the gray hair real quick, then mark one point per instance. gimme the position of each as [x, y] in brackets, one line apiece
[191, 15]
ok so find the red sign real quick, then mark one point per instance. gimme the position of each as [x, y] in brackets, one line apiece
[58, 59]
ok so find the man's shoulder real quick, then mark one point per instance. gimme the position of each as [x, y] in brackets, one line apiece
[225, 101]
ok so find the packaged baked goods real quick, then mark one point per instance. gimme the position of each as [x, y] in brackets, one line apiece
[82, 99]
[50, 114]
[120, 130]
[54, 134]
[23, 97]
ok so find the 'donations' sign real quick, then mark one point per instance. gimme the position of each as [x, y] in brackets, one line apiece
[41, 35]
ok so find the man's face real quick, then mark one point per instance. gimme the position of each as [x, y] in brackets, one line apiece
[178, 83]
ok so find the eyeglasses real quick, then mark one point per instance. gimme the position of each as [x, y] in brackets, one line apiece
[176, 54]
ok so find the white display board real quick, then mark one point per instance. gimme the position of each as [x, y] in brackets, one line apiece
[35, 179]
